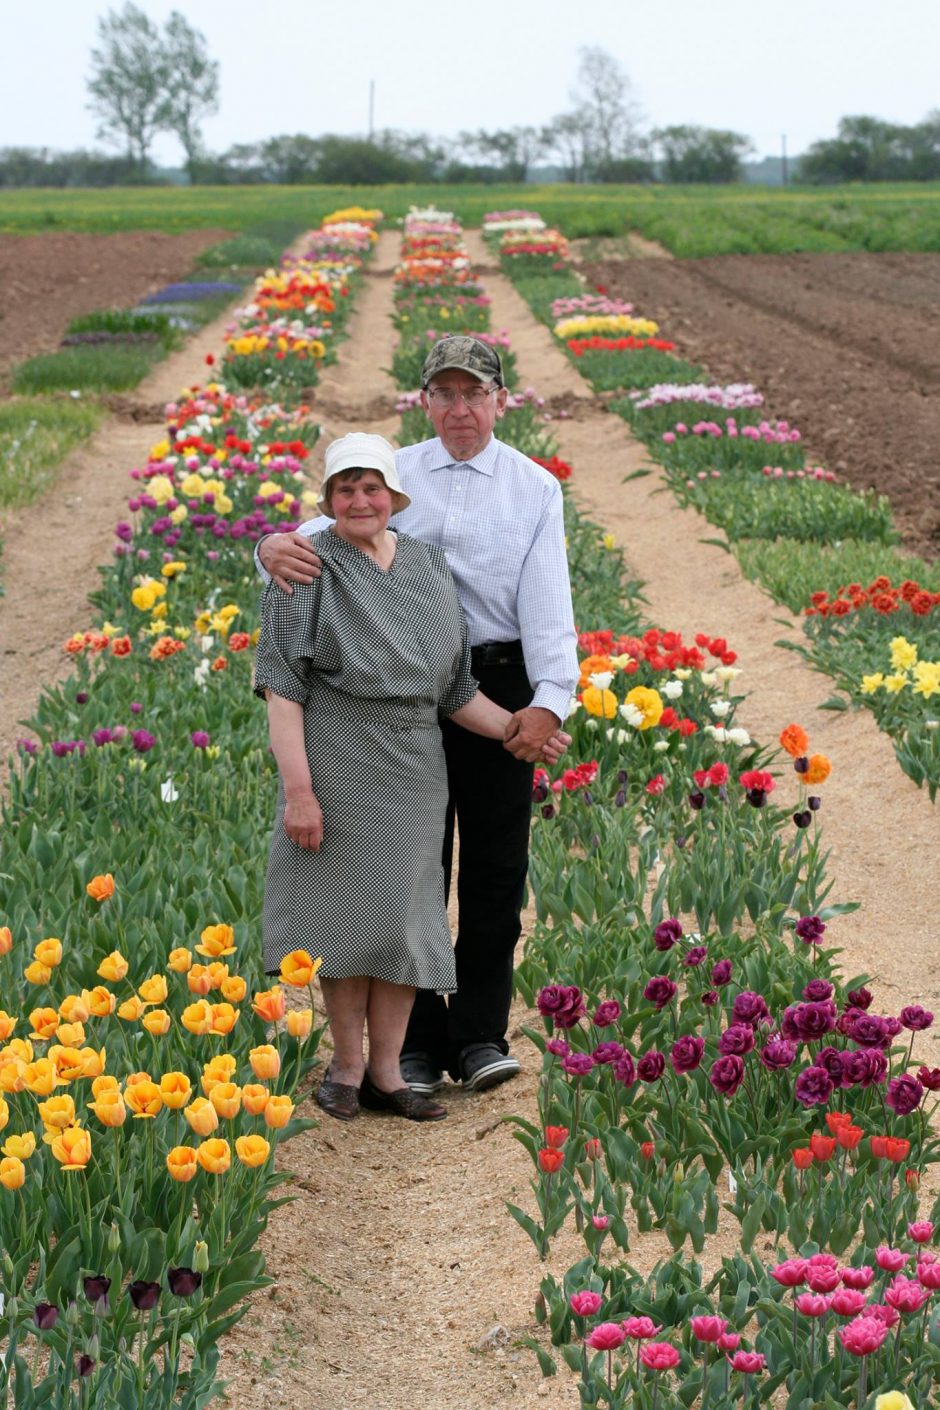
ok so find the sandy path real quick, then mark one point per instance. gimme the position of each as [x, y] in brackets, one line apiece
[397, 1258]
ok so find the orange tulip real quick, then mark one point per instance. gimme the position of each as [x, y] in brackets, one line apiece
[12, 1075]
[234, 989]
[299, 1023]
[6, 940]
[270, 1004]
[72, 1148]
[197, 1018]
[154, 990]
[113, 967]
[18, 1048]
[58, 1112]
[7, 1025]
[218, 973]
[818, 769]
[144, 1099]
[157, 1022]
[69, 1063]
[278, 1112]
[131, 1009]
[5, 1112]
[202, 1116]
[224, 1018]
[12, 1173]
[179, 960]
[37, 973]
[71, 1035]
[49, 952]
[19, 1147]
[101, 1002]
[44, 1022]
[252, 1150]
[103, 1084]
[101, 887]
[93, 1061]
[226, 1097]
[255, 1098]
[41, 1077]
[214, 1155]
[265, 1062]
[181, 1163]
[298, 968]
[794, 740]
[220, 1069]
[136, 1077]
[110, 1109]
[175, 1089]
[217, 940]
[199, 979]
[74, 1008]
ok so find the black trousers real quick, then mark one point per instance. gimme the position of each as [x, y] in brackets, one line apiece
[491, 799]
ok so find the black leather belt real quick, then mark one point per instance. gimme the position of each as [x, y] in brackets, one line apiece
[497, 653]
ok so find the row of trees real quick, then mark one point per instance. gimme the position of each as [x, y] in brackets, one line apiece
[870, 149]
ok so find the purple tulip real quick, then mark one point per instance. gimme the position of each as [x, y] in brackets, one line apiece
[144, 1295]
[833, 1060]
[867, 1030]
[607, 1052]
[95, 1287]
[606, 1013]
[904, 1094]
[721, 972]
[749, 1007]
[666, 934]
[660, 991]
[183, 1282]
[814, 1086]
[200, 739]
[695, 956]
[142, 740]
[45, 1315]
[810, 929]
[687, 1053]
[558, 1046]
[817, 991]
[578, 1064]
[710, 997]
[624, 1070]
[739, 1039]
[915, 1018]
[651, 1066]
[860, 998]
[807, 1023]
[562, 1003]
[864, 1067]
[778, 1054]
[727, 1074]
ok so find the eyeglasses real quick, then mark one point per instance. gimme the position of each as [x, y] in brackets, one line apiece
[447, 396]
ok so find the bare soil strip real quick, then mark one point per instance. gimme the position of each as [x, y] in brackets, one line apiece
[401, 1280]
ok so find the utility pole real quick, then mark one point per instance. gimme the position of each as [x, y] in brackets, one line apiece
[784, 172]
[371, 107]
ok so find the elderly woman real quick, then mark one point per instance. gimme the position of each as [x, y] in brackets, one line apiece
[358, 667]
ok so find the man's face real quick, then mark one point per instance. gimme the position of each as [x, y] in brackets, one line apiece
[465, 430]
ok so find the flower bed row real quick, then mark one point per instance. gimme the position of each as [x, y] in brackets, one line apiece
[698, 1034]
[825, 550]
[148, 1068]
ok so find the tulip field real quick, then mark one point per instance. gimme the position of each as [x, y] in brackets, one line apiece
[730, 1193]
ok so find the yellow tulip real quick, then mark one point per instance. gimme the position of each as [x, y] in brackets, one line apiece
[101, 1002]
[224, 1018]
[49, 952]
[19, 1147]
[12, 1173]
[255, 1098]
[154, 990]
[41, 1077]
[298, 968]
[202, 1116]
[599, 702]
[157, 1022]
[69, 1063]
[175, 1089]
[221, 1068]
[113, 967]
[234, 989]
[7, 1025]
[5, 1113]
[648, 702]
[18, 1048]
[214, 1155]
[270, 1004]
[179, 960]
[103, 1084]
[110, 1109]
[217, 940]
[93, 1061]
[58, 1112]
[278, 1112]
[197, 1018]
[44, 1022]
[144, 1099]
[37, 973]
[74, 1008]
[72, 1148]
[71, 1035]
[252, 1150]
[198, 979]
[226, 1097]
[265, 1062]
[12, 1075]
[299, 1023]
[181, 1163]
[135, 1077]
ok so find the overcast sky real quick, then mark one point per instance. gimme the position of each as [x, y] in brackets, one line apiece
[759, 67]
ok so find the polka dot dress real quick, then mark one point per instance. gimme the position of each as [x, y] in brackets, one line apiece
[375, 657]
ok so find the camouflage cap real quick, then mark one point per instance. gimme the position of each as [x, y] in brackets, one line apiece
[461, 354]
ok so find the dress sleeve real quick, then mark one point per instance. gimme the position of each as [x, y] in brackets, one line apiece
[287, 641]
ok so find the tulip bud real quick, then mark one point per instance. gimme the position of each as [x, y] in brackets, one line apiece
[620, 798]
[803, 819]
[201, 1256]
[114, 1239]
[697, 800]
[814, 802]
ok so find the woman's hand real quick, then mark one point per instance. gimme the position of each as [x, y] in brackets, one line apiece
[554, 747]
[303, 822]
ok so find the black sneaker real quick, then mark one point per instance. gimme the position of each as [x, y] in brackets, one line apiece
[483, 1065]
[421, 1074]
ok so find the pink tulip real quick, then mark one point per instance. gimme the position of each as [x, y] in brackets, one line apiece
[848, 1302]
[863, 1336]
[729, 1341]
[813, 1304]
[906, 1295]
[640, 1328]
[747, 1362]
[791, 1273]
[659, 1356]
[708, 1329]
[888, 1316]
[585, 1304]
[823, 1280]
[928, 1275]
[858, 1277]
[892, 1260]
[600, 1221]
[606, 1337]
[921, 1231]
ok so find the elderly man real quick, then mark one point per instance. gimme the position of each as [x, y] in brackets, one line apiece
[498, 517]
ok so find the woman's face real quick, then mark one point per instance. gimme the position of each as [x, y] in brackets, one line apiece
[361, 504]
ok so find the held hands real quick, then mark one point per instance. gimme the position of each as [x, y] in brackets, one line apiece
[289, 559]
[303, 822]
[533, 734]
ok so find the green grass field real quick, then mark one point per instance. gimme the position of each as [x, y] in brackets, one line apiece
[691, 221]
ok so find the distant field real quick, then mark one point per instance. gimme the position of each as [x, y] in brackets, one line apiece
[691, 221]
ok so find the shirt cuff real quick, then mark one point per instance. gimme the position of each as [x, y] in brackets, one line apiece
[556, 698]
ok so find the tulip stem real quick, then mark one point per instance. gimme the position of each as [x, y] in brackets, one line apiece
[862, 1381]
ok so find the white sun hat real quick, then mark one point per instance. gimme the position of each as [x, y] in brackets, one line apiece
[362, 451]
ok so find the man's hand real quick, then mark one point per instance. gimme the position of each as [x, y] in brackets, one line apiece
[303, 822]
[529, 731]
[289, 558]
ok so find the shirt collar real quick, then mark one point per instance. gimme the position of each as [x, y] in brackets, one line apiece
[440, 458]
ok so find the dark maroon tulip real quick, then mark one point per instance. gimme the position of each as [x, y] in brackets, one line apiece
[814, 1086]
[810, 929]
[562, 1003]
[710, 998]
[739, 1039]
[687, 1052]
[868, 1030]
[721, 972]
[778, 1054]
[860, 998]
[651, 1066]
[143, 1295]
[86, 1364]
[929, 1077]
[96, 1287]
[803, 819]
[757, 797]
[697, 800]
[695, 956]
[833, 1060]
[814, 802]
[606, 1013]
[607, 1052]
[548, 810]
[620, 798]
[748, 1007]
[45, 1315]
[624, 1070]
[727, 1074]
[666, 934]
[660, 990]
[904, 1094]
[817, 991]
[801, 765]
[183, 1282]
[864, 1067]
[915, 1018]
[539, 792]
